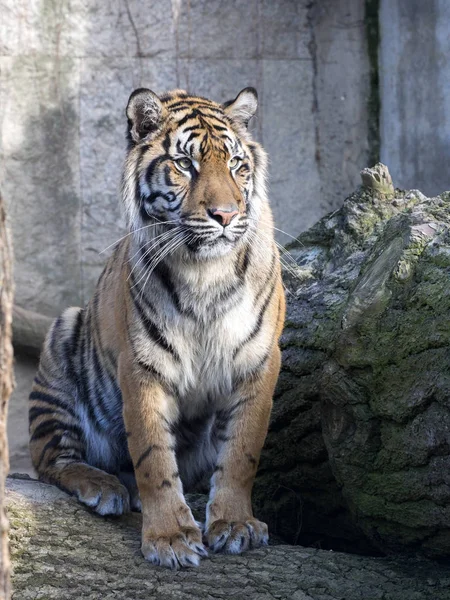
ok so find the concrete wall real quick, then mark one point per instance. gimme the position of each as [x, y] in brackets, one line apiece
[67, 68]
[414, 64]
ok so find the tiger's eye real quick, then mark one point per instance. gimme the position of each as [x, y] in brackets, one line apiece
[234, 162]
[184, 163]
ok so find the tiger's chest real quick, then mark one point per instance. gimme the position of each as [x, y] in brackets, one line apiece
[205, 361]
[211, 364]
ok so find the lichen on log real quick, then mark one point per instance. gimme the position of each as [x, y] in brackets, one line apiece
[360, 436]
[61, 551]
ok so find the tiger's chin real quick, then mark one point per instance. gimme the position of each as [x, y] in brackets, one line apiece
[217, 248]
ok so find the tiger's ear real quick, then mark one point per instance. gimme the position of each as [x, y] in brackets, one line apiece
[145, 113]
[243, 107]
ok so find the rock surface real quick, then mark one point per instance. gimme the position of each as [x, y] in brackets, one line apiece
[360, 434]
[60, 550]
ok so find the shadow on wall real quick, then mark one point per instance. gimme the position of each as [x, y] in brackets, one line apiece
[40, 147]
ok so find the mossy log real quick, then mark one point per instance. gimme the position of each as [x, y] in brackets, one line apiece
[360, 435]
[60, 550]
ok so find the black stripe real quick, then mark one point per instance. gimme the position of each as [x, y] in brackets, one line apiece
[137, 185]
[192, 128]
[53, 443]
[192, 136]
[83, 384]
[52, 425]
[98, 382]
[223, 416]
[259, 321]
[190, 102]
[73, 454]
[52, 400]
[143, 456]
[167, 174]
[201, 108]
[154, 332]
[203, 143]
[201, 115]
[268, 278]
[252, 375]
[166, 143]
[188, 117]
[219, 127]
[243, 264]
[151, 369]
[216, 306]
[70, 346]
[155, 195]
[163, 273]
[151, 169]
[37, 411]
[174, 208]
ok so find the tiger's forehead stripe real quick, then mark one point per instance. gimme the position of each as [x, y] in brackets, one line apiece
[210, 132]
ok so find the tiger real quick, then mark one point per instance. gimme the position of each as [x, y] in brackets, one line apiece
[166, 376]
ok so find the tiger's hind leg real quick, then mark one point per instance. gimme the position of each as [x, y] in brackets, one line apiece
[58, 454]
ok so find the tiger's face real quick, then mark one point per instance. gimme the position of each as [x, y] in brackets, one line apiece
[193, 167]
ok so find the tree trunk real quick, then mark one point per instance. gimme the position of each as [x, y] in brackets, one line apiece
[60, 550]
[360, 435]
[6, 385]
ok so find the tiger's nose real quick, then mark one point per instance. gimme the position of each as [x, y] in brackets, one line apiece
[223, 214]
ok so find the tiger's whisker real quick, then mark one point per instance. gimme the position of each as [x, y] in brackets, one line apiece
[135, 231]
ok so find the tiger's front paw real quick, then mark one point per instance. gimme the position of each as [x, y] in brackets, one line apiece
[183, 548]
[234, 537]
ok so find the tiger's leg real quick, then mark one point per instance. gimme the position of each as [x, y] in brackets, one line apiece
[230, 525]
[58, 453]
[170, 535]
[129, 481]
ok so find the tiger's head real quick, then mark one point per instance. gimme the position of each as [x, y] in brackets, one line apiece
[193, 166]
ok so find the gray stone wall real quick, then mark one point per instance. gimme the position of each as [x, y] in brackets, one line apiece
[415, 92]
[67, 68]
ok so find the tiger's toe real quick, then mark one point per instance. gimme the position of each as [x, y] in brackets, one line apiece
[182, 549]
[235, 537]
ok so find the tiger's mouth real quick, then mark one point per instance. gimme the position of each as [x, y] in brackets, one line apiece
[217, 243]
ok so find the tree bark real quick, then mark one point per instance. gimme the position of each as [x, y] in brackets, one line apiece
[6, 385]
[61, 550]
